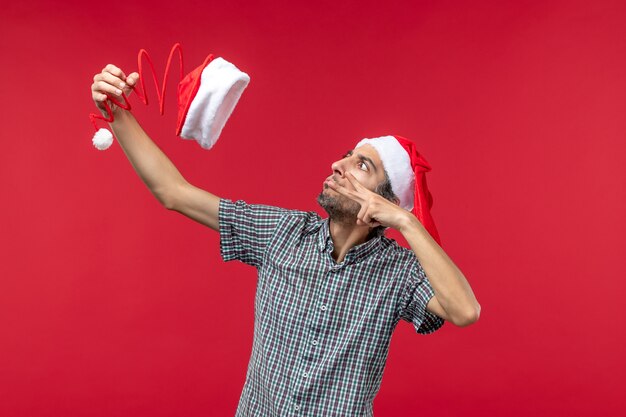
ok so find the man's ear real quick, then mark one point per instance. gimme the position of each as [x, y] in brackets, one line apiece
[396, 201]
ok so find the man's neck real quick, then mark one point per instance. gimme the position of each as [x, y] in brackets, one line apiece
[345, 237]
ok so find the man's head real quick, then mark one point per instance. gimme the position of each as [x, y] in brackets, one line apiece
[390, 166]
[366, 165]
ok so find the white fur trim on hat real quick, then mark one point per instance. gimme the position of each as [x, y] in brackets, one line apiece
[221, 86]
[397, 164]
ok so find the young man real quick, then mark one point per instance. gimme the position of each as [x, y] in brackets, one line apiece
[331, 291]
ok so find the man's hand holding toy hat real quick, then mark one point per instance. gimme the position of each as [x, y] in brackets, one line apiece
[111, 82]
[206, 96]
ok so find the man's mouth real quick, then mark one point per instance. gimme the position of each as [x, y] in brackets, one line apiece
[329, 181]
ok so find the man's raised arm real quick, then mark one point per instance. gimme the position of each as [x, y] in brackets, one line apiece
[154, 168]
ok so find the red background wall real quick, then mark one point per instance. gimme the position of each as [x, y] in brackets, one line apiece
[112, 306]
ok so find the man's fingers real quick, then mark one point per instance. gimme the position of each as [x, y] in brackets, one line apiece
[364, 214]
[131, 82]
[367, 223]
[360, 217]
[96, 96]
[132, 78]
[355, 183]
[344, 191]
[112, 80]
[104, 87]
[362, 195]
[367, 219]
[115, 71]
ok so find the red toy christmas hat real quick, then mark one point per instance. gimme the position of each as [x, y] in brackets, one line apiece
[206, 99]
[406, 170]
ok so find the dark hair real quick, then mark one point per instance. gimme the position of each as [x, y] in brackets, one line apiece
[383, 189]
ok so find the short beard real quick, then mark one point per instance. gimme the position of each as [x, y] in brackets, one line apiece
[341, 209]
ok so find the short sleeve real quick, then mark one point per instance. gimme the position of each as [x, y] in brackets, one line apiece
[415, 297]
[246, 229]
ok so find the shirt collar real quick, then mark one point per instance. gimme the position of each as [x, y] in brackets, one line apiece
[355, 254]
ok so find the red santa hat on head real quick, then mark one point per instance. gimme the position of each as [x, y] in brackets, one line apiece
[406, 170]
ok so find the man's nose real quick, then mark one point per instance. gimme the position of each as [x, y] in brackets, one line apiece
[337, 168]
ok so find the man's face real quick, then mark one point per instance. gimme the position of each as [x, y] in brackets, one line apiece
[366, 166]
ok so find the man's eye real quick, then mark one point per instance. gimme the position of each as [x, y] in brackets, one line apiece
[363, 164]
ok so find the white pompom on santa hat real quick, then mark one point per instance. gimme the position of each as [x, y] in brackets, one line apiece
[406, 170]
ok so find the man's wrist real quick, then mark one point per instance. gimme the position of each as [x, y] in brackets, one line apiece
[120, 115]
[408, 222]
